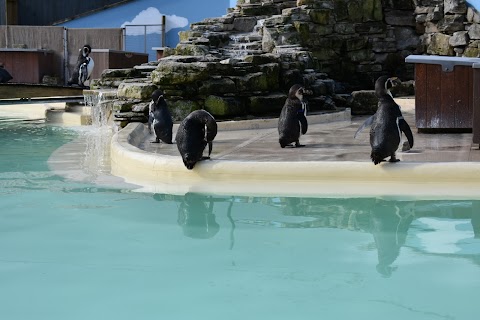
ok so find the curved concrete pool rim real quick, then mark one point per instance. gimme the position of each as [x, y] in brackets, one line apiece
[167, 174]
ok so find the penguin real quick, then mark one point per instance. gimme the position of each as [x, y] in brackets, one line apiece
[83, 68]
[5, 76]
[197, 130]
[293, 121]
[85, 71]
[387, 123]
[160, 117]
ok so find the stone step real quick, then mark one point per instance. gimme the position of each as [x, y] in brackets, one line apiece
[145, 68]
[241, 53]
[246, 37]
[212, 27]
[244, 46]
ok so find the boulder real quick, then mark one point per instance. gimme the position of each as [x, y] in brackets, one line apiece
[439, 45]
[364, 102]
[221, 85]
[261, 105]
[459, 38]
[136, 90]
[179, 109]
[224, 106]
[171, 72]
[454, 7]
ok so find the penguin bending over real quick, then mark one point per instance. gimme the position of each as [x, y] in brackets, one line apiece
[293, 121]
[159, 116]
[197, 130]
[387, 123]
[83, 68]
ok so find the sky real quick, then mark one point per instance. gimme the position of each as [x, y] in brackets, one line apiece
[475, 3]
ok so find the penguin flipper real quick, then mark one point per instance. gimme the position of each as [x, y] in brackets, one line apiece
[405, 128]
[303, 122]
[367, 123]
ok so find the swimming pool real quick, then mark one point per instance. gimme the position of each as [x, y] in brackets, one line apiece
[77, 250]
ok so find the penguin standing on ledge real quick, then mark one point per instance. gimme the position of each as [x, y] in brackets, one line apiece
[197, 130]
[293, 120]
[160, 117]
[387, 123]
[83, 68]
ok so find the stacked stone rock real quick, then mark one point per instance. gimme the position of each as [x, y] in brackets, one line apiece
[448, 27]
[243, 63]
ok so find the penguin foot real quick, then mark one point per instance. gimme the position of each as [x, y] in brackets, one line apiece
[204, 158]
[393, 159]
[298, 145]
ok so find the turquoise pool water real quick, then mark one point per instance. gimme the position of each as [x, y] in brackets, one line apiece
[71, 250]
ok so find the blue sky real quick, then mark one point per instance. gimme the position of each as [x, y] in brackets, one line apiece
[475, 3]
[179, 14]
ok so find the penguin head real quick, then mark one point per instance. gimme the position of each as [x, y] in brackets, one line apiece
[297, 92]
[189, 161]
[86, 50]
[384, 84]
[157, 94]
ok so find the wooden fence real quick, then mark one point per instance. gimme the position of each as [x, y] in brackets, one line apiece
[63, 43]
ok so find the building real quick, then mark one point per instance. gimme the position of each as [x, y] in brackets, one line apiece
[141, 19]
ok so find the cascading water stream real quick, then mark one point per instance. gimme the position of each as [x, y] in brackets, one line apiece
[98, 136]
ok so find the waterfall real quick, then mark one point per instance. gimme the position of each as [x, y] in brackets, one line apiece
[96, 160]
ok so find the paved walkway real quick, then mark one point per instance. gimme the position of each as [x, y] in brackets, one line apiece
[247, 159]
[328, 142]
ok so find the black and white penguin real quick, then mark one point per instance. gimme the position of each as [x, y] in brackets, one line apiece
[85, 72]
[387, 123]
[159, 116]
[197, 130]
[83, 68]
[293, 121]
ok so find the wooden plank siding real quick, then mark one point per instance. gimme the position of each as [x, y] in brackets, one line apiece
[28, 66]
[421, 96]
[443, 100]
[476, 105]
[115, 59]
[464, 97]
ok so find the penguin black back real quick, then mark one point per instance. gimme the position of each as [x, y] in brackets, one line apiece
[160, 118]
[197, 130]
[388, 123]
[292, 121]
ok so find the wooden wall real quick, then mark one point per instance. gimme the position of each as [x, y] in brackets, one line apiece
[27, 66]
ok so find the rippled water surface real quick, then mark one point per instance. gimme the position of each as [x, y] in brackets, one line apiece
[72, 250]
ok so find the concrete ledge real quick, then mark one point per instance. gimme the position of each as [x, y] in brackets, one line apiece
[167, 174]
[31, 110]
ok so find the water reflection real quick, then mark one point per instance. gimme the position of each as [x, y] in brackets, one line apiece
[426, 227]
[196, 216]
[390, 223]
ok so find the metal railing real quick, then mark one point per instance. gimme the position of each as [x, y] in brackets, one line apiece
[135, 33]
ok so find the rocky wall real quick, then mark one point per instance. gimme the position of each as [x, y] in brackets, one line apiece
[242, 64]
